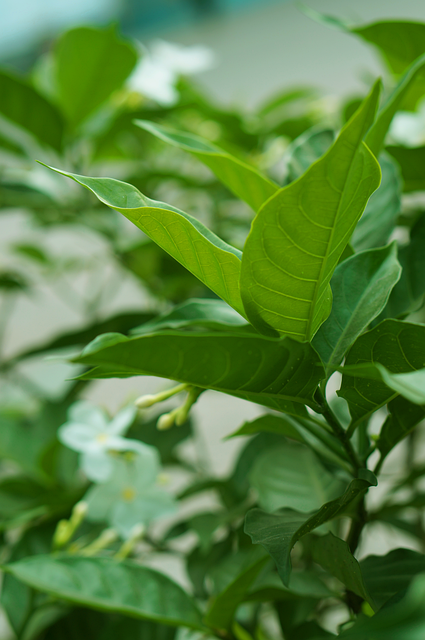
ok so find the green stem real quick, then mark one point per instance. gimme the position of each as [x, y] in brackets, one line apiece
[357, 525]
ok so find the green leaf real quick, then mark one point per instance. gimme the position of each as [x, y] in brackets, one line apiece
[403, 418]
[204, 312]
[108, 585]
[221, 613]
[210, 259]
[299, 235]
[387, 575]
[281, 425]
[306, 149]
[244, 181]
[90, 64]
[281, 374]
[24, 106]
[290, 475]
[278, 532]
[397, 346]
[411, 162]
[410, 385]
[304, 584]
[380, 216]
[361, 286]
[401, 619]
[334, 555]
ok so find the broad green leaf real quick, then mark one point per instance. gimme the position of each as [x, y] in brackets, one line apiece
[399, 347]
[210, 259]
[380, 216]
[400, 619]
[403, 418]
[290, 475]
[278, 532]
[24, 106]
[221, 613]
[90, 64]
[299, 235]
[410, 385]
[204, 312]
[281, 425]
[244, 181]
[361, 286]
[107, 585]
[305, 584]
[306, 149]
[281, 374]
[387, 575]
[334, 555]
[411, 161]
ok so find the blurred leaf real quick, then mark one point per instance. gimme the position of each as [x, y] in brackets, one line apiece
[399, 347]
[411, 162]
[232, 363]
[334, 555]
[90, 64]
[13, 281]
[304, 584]
[278, 532]
[242, 180]
[290, 475]
[281, 425]
[32, 252]
[24, 106]
[297, 238]
[361, 286]
[210, 259]
[306, 149]
[164, 441]
[403, 418]
[105, 584]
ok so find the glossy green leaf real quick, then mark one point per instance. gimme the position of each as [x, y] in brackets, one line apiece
[410, 385]
[281, 374]
[204, 312]
[210, 259]
[306, 149]
[304, 584]
[380, 216]
[387, 575]
[361, 286]
[278, 532]
[401, 619]
[334, 555]
[411, 161]
[24, 106]
[90, 64]
[108, 585]
[290, 475]
[297, 238]
[244, 181]
[397, 346]
[270, 423]
[221, 613]
[403, 418]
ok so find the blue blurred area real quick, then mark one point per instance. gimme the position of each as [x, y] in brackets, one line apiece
[26, 24]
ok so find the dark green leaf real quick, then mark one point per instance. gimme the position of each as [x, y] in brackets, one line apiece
[306, 149]
[281, 425]
[399, 347]
[24, 106]
[334, 555]
[244, 181]
[107, 585]
[281, 374]
[278, 532]
[403, 418]
[90, 64]
[387, 575]
[361, 286]
[210, 259]
[411, 162]
[299, 235]
[304, 584]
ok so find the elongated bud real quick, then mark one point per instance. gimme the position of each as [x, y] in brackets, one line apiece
[166, 421]
[66, 528]
[147, 401]
[136, 534]
[183, 411]
[61, 536]
[107, 537]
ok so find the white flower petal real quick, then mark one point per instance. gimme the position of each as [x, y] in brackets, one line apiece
[124, 418]
[97, 466]
[86, 413]
[77, 436]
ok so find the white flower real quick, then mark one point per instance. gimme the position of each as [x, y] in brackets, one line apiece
[158, 70]
[130, 497]
[89, 432]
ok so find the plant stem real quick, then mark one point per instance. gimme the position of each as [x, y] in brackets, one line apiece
[356, 527]
[338, 430]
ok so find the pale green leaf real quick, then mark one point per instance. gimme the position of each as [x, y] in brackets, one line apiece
[244, 181]
[299, 235]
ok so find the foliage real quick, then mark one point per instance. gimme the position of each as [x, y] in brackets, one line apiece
[274, 280]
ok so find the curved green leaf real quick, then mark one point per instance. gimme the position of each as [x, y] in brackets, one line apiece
[90, 64]
[298, 236]
[361, 286]
[403, 418]
[399, 347]
[306, 149]
[210, 259]
[108, 585]
[411, 161]
[244, 181]
[278, 532]
[281, 374]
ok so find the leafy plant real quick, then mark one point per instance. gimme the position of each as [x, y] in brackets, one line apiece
[315, 285]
